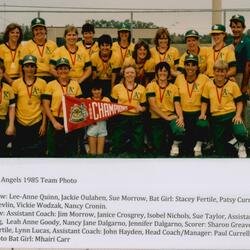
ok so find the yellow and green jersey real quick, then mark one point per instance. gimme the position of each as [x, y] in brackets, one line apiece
[164, 97]
[11, 59]
[222, 99]
[103, 69]
[190, 93]
[91, 49]
[135, 97]
[42, 53]
[145, 70]
[171, 56]
[202, 60]
[54, 92]
[28, 103]
[122, 53]
[79, 60]
[226, 54]
[7, 98]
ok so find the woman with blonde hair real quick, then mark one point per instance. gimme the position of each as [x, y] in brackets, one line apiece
[128, 126]
[226, 106]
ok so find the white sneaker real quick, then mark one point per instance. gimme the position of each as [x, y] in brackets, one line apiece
[197, 151]
[174, 150]
[242, 152]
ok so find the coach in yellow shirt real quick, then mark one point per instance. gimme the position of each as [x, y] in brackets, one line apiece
[226, 105]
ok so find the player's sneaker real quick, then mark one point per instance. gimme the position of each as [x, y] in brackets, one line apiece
[174, 150]
[242, 152]
[197, 151]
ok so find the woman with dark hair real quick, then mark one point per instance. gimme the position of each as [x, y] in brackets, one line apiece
[190, 85]
[80, 66]
[123, 47]
[7, 109]
[166, 112]
[10, 51]
[30, 118]
[87, 42]
[220, 51]
[40, 47]
[145, 65]
[59, 143]
[106, 64]
[163, 52]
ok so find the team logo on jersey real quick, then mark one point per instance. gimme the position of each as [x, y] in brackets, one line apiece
[136, 96]
[6, 95]
[78, 113]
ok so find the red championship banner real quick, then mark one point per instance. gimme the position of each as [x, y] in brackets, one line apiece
[79, 113]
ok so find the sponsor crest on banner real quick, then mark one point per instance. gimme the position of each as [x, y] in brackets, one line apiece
[78, 113]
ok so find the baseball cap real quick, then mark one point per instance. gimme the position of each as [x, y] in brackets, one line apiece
[124, 27]
[192, 33]
[191, 57]
[218, 28]
[239, 18]
[29, 59]
[38, 21]
[62, 61]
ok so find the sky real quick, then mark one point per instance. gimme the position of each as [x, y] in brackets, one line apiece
[177, 22]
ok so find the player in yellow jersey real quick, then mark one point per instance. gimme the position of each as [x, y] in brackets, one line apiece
[106, 64]
[60, 144]
[145, 66]
[10, 51]
[128, 126]
[40, 47]
[7, 109]
[30, 118]
[89, 45]
[226, 106]
[190, 85]
[87, 42]
[166, 112]
[163, 52]
[220, 51]
[80, 66]
[123, 47]
[192, 41]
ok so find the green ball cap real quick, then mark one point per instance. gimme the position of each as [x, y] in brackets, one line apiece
[62, 61]
[192, 33]
[218, 28]
[239, 18]
[38, 21]
[29, 59]
[191, 57]
[124, 27]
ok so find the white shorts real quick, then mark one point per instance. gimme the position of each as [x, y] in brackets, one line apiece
[97, 130]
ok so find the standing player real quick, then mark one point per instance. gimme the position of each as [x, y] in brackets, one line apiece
[163, 52]
[30, 118]
[106, 64]
[123, 47]
[192, 41]
[7, 108]
[40, 47]
[10, 51]
[220, 51]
